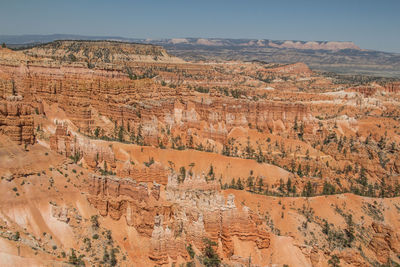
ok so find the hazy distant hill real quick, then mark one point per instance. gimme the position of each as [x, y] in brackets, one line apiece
[340, 57]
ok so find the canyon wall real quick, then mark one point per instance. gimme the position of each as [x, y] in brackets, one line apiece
[193, 210]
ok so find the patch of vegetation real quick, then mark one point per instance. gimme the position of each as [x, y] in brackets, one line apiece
[190, 251]
[373, 211]
[75, 260]
[76, 156]
[334, 261]
[210, 258]
[149, 163]
[201, 89]
[95, 221]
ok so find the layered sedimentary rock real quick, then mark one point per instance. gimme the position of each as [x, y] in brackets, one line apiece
[124, 111]
[384, 242]
[192, 211]
[62, 141]
[117, 197]
[367, 91]
[154, 173]
[102, 157]
[72, 144]
[393, 87]
[16, 120]
[203, 212]
[77, 89]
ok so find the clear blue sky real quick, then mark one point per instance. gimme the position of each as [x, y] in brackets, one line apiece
[371, 24]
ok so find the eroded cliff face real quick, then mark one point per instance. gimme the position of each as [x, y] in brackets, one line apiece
[130, 103]
[127, 148]
[117, 197]
[393, 87]
[16, 120]
[210, 107]
[185, 213]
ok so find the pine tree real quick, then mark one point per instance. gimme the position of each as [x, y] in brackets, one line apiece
[281, 186]
[328, 189]
[210, 258]
[113, 259]
[250, 182]
[211, 173]
[325, 228]
[106, 256]
[299, 171]
[105, 167]
[132, 136]
[190, 142]
[121, 134]
[363, 177]
[260, 184]
[233, 184]
[308, 190]
[289, 185]
[97, 132]
[240, 185]
[260, 155]
[249, 150]
[182, 174]
[139, 137]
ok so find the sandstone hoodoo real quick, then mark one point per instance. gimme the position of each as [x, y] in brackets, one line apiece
[120, 154]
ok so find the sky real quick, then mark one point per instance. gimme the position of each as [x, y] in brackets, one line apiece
[371, 24]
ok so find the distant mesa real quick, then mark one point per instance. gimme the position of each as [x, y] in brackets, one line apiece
[301, 45]
[208, 42]
[287, 44]
[178, 41]
[315, 45]
[99, 51]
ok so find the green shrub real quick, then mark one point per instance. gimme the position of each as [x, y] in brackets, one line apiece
[210, 258]
[190, 251]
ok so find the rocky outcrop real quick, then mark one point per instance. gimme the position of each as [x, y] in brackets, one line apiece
[191, 211]
[16, 120]
[81, 148]
[366, 91]
[393, 87]
[62, 141]
[203, 212]
[352, 258]
[117, 197]
[154, 173]
[98, 157]
[66, 214]
[60, 213]
[385, 242]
